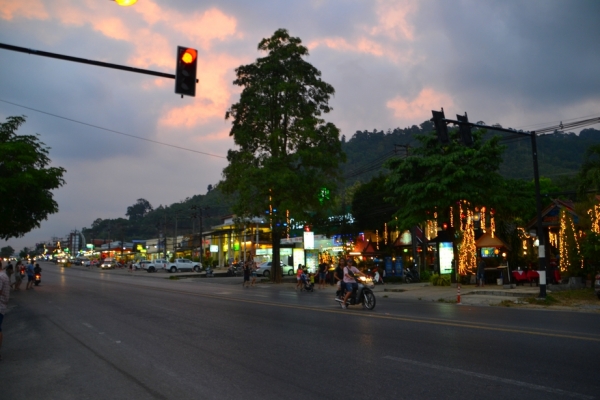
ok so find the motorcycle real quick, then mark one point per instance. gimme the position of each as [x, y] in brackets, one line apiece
[411, 275]
[234, 270]
[597, 285]
[37, 278]
[363, 295]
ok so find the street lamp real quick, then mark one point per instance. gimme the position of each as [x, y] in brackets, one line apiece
[125, 3]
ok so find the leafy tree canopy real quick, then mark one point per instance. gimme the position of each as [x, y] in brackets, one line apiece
[7, 252]
[437, 176]
[139, 210]
[286, 152]
[26, 181]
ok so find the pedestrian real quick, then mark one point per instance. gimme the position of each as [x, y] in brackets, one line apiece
[322, 273]
[299, 273]
[18, 277]
[130, 265]
[338, 276]
[246, 268]
[253, 268]
[4, 296]
[9, 272]
[30, 270]
[480, 272]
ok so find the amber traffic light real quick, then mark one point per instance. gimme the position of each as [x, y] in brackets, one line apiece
[185, 71]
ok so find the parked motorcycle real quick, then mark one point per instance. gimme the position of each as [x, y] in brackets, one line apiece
[597, 285]
[411, 275]
[234, 270]
[37, 279]
[363, 295]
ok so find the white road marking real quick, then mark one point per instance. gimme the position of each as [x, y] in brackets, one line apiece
[87, 325]
[492, 378]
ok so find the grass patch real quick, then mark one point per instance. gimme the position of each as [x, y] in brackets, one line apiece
[548, 301]
[174, 278]
[385, 295]
[507, 303]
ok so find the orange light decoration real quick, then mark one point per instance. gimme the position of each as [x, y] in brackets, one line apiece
[125, 3]
[483, 219]
[385, 233]
[451, 217]
[377, 238]
[467, 250]
[595, 217]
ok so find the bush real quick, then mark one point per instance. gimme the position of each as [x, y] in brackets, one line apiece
[440, 280]
[426, 276]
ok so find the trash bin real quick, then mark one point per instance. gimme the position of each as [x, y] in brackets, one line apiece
[500, 281]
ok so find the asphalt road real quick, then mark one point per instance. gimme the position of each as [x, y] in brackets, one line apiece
[86, 334]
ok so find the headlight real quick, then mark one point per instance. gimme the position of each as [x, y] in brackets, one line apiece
[362, 278]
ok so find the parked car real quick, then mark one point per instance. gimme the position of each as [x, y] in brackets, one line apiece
[183, 264]
[108, 263]
[264, 269]
[153, 265]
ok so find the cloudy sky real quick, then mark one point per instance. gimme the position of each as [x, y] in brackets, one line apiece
[524, 64]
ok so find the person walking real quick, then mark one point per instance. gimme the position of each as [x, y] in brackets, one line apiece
[4, 296]
[338, 276]
[30, 271]
[480, 272]
[18, 277]
[246, 268]
[322, 272]
[253, 268]
[299, 273]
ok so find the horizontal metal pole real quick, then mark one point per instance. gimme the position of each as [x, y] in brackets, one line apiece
[85, 61]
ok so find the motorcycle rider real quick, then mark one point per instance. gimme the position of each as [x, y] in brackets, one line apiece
[338, 275]
[350, 271]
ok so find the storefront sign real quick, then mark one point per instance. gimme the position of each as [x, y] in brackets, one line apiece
[214, 248]
[309, 240]
[446, 255]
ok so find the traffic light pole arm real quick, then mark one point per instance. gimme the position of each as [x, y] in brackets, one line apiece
[85, 61]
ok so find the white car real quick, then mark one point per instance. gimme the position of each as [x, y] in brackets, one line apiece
[182, 264]
[153, 265]
[264, 269]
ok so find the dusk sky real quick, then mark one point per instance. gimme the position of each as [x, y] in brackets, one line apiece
[523, 64]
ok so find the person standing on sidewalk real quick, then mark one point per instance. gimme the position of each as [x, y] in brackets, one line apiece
[246, 267]
[299, 273]
[322, 272]
[30, 271]
[253, 268]
[480, 272]
[4, 296]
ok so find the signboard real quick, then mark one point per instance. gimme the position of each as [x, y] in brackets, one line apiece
[309, 240]
[446, 255]
[89, 246]
[214, 248]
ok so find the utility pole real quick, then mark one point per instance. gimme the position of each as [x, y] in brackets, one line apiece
[465, 136]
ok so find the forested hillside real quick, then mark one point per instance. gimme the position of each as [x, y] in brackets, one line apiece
[560, 157]
[559, 154]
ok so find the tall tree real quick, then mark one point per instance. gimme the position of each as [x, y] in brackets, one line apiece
[286, 151]
[26, 181]
[437, 176]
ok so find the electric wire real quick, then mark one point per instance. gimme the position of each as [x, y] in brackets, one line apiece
[112, 130]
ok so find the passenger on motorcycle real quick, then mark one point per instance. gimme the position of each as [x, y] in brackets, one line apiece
[338, 274]
[351, 285]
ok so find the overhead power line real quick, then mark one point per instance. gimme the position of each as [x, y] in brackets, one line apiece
[113, 131]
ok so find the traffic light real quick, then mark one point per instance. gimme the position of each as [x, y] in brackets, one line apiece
[440, 126]
[185, 71]
[464, 129]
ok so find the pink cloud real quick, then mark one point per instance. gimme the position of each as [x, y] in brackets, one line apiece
[393, 19]
[362, 45]
[419, 107]
[213, 93]
[30, 9]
